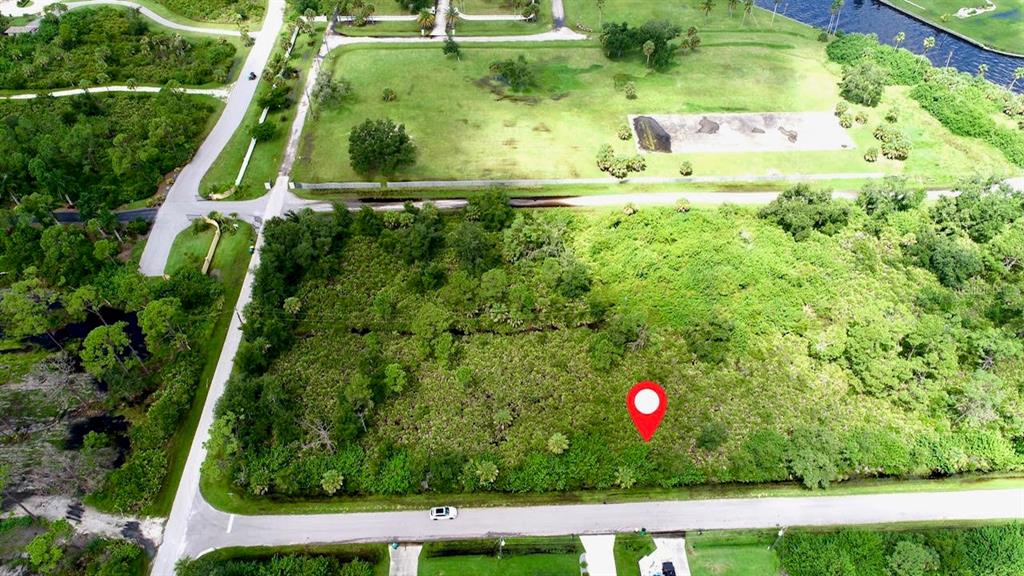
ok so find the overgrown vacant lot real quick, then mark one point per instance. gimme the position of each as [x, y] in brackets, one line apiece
[468, 125]
[218, 10]
[433, 354]
[98, 152]
[101, 46]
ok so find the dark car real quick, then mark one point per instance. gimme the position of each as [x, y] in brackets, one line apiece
[667, 569]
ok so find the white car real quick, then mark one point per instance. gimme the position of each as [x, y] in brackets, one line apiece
[444, 513]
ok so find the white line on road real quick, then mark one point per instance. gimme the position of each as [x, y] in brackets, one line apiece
[231, 523]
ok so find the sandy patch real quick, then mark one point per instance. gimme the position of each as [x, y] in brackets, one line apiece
[757, 132]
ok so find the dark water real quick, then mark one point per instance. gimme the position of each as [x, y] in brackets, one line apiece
[115, 427]
[79, 330]
[868, 16]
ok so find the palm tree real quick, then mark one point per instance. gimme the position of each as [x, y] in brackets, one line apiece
[929, 43]
[839, 12]
[748, 8]
[982, 70]
[900, 37]
[649, 51]
[426, 21]
[600, 12]
[775, 9]
[453, 18]
[1018, 74]
[706, 6]
[732, 6]
[131, 83]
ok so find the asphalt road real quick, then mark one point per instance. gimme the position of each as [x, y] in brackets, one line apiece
[210, 529]
[183, 198]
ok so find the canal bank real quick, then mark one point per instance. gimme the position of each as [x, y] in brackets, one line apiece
[876, 17]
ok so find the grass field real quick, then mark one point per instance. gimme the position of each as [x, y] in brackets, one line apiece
[521, 557]
[267, 156]
[533, 565]
[1002, 29]
[231, 262]
[732, 554]
[684, 13]
[629, 549]
[465, 131]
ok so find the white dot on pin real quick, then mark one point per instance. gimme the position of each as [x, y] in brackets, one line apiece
[646, 401]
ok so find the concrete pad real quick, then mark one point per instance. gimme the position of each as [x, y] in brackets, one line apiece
[666, 550]
[757, 132]
[405, 560]
[600, 554]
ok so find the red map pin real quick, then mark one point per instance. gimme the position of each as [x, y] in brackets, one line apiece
[646, 403]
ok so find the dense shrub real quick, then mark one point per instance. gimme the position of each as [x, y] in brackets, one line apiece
[994, 550]
[132, 141]
[516, 73]
[863, 83]
[445, 344]
[801, 210]
[100, 46]
[619, 40]
[962, 105]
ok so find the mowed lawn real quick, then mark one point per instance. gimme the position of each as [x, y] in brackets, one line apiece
[1002, 28]
[531, 565]
[732, 554]
[465, 129]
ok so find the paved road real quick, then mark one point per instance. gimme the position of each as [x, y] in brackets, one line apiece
[541, 182]
[221, 93]
[183, 197]
[210, 529]
[155, 17]
[11, 8]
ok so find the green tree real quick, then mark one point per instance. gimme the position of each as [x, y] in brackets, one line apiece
[558, 443]
[395, 378]
[890, 194]
[1018, 74]
[263, 132]
[486, 472]
[46, 551]
[928, 43]
[67, 255]
[863, 83]
[900, 37]
[163, 322]
[451, 48]
[25, 309]
[332, 481]
[106, 348]
[706, 6]
[380, 146]
[648, 50]
[801, 210]
[912, 559]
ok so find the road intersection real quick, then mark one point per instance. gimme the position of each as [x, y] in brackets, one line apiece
[194, 527]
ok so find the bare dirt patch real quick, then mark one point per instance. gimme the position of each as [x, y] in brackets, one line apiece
[756, 132]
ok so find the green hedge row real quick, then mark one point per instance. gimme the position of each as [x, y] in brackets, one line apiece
[984, 551]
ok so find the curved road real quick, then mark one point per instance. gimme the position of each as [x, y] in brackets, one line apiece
[10, 8]
[221, 93]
